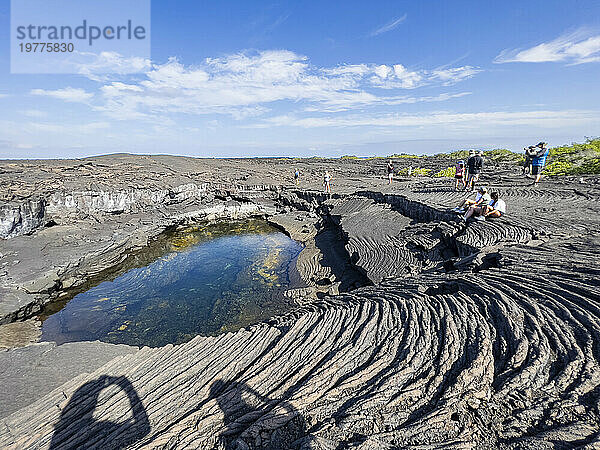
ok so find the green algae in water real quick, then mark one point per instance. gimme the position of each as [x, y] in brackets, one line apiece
[204, 280]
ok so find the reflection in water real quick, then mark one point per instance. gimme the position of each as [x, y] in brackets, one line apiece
[206, 280]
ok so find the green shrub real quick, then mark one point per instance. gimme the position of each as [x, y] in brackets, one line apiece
[502, 155]
[401, 155]
[458, 154]
[575, 159]
[448, 172]
[415, 172]
[589, 147]
[420, 172]
[591, 166]
[558, 167]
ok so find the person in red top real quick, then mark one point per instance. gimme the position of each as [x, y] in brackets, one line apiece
[460, 175]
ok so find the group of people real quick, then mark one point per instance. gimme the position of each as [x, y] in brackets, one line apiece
[468, 174]
[484, 205]
[465, 174]
[326, 180]
[535, 160]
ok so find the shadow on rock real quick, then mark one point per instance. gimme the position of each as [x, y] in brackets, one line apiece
[252, 420]
[77, 428]
[332, 243]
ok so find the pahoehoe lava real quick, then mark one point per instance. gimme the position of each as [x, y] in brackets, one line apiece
[478, 336]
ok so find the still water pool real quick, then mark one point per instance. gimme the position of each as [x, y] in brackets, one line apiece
[204, 280]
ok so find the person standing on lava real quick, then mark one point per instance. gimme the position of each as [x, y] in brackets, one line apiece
[475, 166]
[471, 155]
[326, 182]
[527, 163]
[390, 171]
[460, 175]
[539, 161]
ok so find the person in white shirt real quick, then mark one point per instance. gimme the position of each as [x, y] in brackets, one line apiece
[482, 197]
[496, 208]
[326, 181]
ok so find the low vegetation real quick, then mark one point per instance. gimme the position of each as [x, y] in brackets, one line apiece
[574, 159]
[457, 155]
[448, 172]
[414, 172]
[502, 155]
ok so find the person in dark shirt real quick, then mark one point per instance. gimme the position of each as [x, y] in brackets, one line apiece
[539, 161]
[466, 175]
[390, 171]
[475, 166]
[459, 175]
[527, 162]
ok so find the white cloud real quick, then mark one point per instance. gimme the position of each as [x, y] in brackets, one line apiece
[69, 94]
[35, 113]
[243, 85]
[454, 75]
[544, 119]
[349, 69]
[3, 95]
[60, 128]
[388, 26]
[23, 146]
[578, 47]
[101, 66]
[398, 76]
[389, 101]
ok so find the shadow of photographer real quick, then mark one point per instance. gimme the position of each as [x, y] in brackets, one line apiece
[77, 428]
[253, 420]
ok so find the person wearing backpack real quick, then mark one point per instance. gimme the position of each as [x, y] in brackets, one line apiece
[475, 167]
[460, 175]
[390, 171]
[527, 163]
[466, 175]
[539, 161]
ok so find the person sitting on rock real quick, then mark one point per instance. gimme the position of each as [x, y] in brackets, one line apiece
[390, 171]
[478, 207]
[459, 175]
[496, 208]
[482, 197]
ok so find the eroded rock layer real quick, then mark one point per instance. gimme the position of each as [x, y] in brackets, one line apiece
[480, 335]
[502, 357]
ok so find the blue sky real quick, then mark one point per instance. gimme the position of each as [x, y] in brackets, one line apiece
[239, 78]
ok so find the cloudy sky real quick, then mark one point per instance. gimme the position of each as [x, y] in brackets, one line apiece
[241, 78]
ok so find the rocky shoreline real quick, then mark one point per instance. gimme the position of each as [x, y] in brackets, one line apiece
[413, 329]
